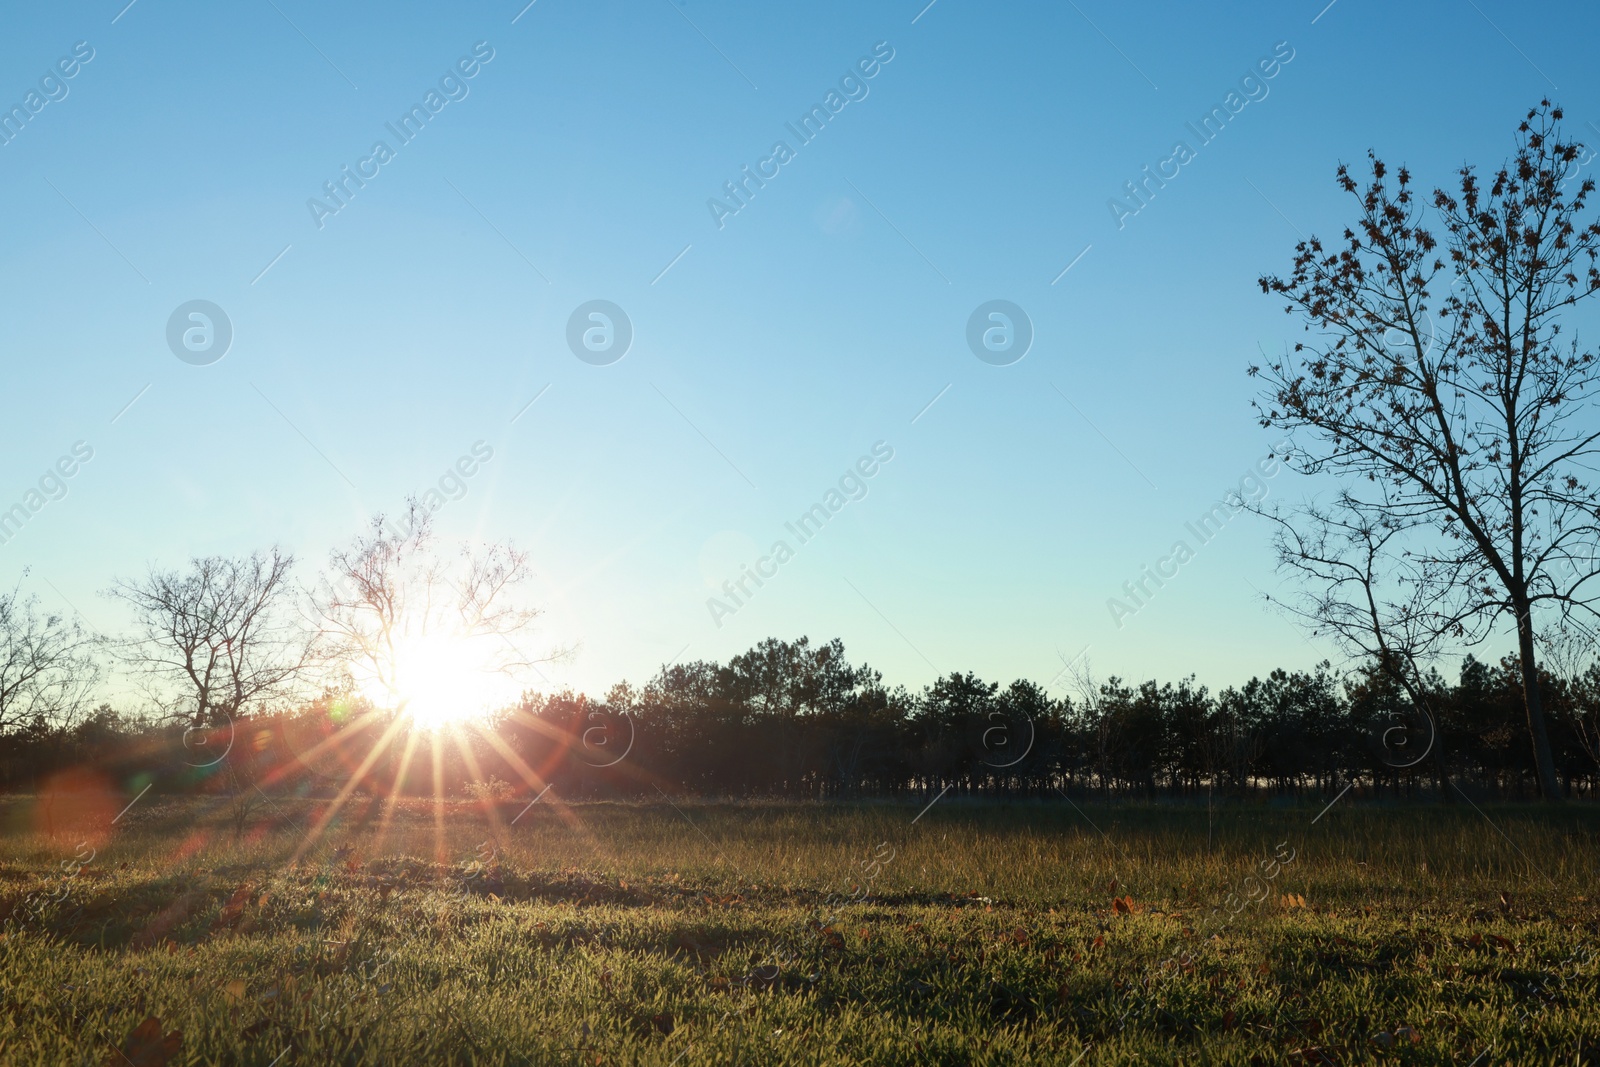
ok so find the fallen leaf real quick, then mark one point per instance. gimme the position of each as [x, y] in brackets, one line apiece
[146, 1047]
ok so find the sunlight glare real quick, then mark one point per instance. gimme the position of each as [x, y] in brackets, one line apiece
[445, 681]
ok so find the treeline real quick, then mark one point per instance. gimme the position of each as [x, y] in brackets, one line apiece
[797, 720]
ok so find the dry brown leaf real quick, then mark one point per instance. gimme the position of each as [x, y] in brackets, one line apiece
[147, 1047]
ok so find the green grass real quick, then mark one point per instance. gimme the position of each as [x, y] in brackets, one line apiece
[723, 933]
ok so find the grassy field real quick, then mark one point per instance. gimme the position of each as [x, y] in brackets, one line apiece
[687, 933]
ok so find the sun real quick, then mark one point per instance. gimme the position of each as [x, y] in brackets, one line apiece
[444, 681]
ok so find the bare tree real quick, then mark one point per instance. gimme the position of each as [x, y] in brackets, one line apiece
[47, 665]
[218, 639]
[1586, 716]
[1382, 605]
[390, 588]
[1100, 729]
[1457, 419]
[1572, 655]
[213, 643]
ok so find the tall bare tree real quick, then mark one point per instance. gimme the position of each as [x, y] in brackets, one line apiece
[1574, 657]
[47, 665]
[1438, 385]
[214, 642]
[218, 638]
[390, 587]
[1381, 605]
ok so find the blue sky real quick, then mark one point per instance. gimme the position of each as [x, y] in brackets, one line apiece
[769, 354]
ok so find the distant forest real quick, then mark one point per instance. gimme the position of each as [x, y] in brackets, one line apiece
[798, 720]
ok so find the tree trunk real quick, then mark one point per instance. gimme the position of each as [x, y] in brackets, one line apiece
[1543, 761]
